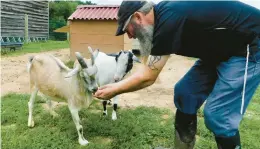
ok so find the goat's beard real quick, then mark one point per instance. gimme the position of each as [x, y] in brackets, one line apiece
[144, 34]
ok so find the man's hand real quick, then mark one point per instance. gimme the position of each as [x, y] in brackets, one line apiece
[142, 78]
[106, 92]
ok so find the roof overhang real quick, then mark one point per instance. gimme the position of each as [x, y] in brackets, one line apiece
[64, 29]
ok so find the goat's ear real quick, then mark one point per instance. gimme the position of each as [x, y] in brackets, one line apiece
[73, 71]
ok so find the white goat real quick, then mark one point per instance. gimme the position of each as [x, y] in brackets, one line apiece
[52, 78]
[112, 68]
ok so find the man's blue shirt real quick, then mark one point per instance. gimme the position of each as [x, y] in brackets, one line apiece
[207, 30]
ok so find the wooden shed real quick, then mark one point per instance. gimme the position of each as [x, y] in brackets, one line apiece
[95, 26]
[20, 19]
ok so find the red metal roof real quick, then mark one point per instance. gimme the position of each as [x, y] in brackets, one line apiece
[95, 12]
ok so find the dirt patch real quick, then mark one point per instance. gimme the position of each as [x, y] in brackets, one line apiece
[14, 76]
[160, 94]
[16, 79]
[102, 140]
[165, 116]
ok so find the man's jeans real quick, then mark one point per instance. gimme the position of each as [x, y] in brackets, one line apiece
[221, 86]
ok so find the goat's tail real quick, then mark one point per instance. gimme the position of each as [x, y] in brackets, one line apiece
[29, 64]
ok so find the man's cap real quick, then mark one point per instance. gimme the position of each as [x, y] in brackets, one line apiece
[126, 9]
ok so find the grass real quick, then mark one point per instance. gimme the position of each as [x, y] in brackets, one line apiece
[36, 47]
[139, 128]
[70, 64]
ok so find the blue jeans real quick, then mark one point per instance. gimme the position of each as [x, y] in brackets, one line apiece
[221, 87]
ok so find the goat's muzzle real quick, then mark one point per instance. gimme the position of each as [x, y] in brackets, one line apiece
[94, 90]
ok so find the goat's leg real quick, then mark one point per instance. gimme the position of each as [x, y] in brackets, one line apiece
[50, 106]
[51, 109]
[115, 102]
[109, 102]
[104, 107]
[75, 116]
[30, 106]
[49, 103]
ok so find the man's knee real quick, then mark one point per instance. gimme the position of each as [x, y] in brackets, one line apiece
[180, 93]
[184, 98]
[221, 123]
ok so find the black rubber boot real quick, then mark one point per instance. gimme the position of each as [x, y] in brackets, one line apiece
[185, 130]
[229, 142]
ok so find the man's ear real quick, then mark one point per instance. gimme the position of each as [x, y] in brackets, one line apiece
[138, 16]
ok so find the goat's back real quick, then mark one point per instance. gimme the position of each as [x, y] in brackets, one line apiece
[106, 68]
[48, 76]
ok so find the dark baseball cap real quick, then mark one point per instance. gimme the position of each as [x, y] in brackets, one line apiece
[126, 9]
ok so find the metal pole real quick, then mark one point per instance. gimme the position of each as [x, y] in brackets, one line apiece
[68, 33]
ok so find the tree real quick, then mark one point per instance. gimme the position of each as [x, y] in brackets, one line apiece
[59, 12]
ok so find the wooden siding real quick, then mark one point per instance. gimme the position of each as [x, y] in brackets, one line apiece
[95, 33]
[12, 18]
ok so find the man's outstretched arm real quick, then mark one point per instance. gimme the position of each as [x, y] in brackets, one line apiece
[143, 77]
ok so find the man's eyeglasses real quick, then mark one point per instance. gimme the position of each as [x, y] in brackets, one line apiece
[127, 22]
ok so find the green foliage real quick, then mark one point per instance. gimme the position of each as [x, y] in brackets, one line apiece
[59, 13]
[35, 47]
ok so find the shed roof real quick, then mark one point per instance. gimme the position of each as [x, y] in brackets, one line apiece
[95, 12]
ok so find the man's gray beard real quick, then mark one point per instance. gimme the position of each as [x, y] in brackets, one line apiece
[145, 37]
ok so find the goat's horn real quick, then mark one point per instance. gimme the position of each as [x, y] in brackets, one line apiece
[81, 60]
[91, 55]
[90, 49]
[92, 58]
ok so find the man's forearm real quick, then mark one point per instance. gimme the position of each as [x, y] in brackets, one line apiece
[144, 77]
[137, 81]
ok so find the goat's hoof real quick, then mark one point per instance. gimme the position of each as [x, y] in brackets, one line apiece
[31, 123]
[83, 142]
[114, 117]
[104, 113]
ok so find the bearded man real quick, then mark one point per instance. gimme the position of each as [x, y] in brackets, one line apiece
[223, 35]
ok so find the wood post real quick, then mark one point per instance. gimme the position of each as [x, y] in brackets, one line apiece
[26, 28]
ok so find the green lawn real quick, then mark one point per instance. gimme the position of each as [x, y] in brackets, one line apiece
[140, 128]
[35, 47]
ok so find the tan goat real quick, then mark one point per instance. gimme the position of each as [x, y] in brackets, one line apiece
[51, 77]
